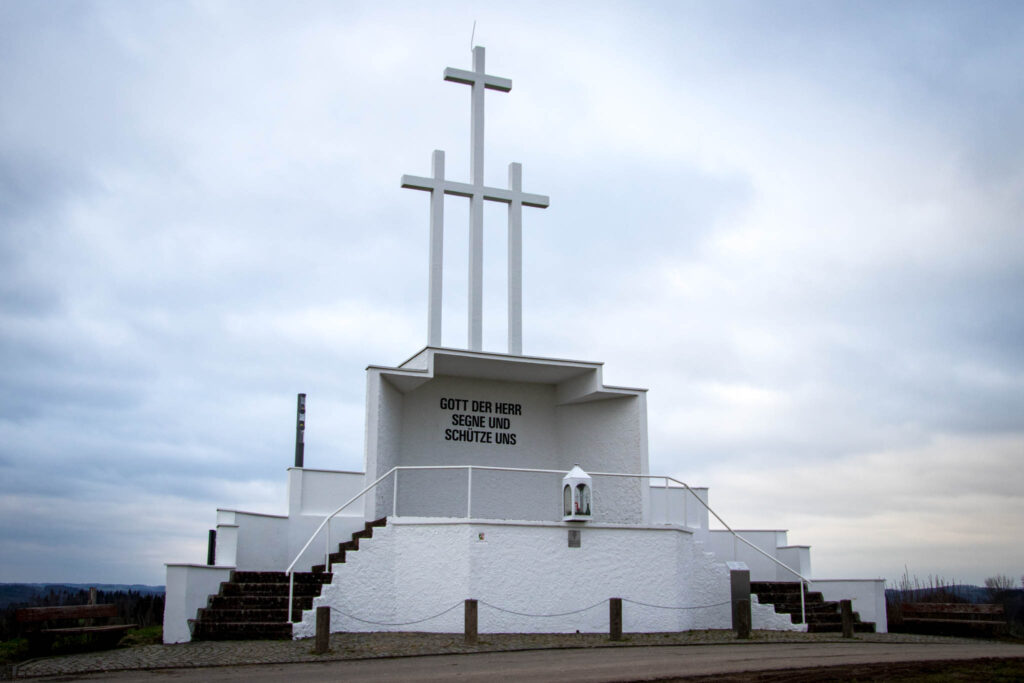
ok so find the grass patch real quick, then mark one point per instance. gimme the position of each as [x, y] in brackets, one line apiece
[149, 635]
[13, 650]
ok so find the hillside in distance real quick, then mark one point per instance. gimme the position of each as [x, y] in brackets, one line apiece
[14, 593]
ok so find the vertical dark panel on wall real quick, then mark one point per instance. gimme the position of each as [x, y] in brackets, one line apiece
[300, 431]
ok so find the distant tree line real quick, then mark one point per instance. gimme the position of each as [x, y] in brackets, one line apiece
[133, 607]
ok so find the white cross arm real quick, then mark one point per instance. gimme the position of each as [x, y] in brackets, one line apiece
[471, 77]
[494, 194]
[415, 182]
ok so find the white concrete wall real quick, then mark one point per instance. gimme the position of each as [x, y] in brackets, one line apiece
[608, 436]
[867, 595]
[797, 557]
[383, 440]
[721, 542]
[415, 569]
[187, 589]
[410, 429]
[321, 492]
[261, 542]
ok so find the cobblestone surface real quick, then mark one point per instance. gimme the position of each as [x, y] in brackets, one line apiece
[372, 645]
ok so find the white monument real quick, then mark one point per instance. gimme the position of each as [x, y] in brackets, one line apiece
[517, 481]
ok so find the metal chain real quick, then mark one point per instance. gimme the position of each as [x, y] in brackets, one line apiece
[524, 614]
[647, 604]
[404, 623]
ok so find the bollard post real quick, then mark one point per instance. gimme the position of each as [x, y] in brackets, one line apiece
[615, 619]
[739, 585]
[470, 622]
[743, 618]
[323, 630]
[846, 609]
[92, 595]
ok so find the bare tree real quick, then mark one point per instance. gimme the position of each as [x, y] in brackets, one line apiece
[999, 582]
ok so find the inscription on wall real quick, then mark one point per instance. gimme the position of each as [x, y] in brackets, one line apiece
[475, 421]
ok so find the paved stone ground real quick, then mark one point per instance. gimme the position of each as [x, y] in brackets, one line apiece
[374, 645]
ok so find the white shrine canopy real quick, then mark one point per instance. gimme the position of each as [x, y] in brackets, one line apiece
[477, 192]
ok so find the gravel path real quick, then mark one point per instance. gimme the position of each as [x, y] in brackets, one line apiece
[374, 645]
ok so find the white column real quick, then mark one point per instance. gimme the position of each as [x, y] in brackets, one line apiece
[436, 253]
[476, 205]
[515, 260]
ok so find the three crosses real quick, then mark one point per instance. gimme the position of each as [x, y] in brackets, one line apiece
[477, 192]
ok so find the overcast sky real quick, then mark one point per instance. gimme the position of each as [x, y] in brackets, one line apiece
[799, 224]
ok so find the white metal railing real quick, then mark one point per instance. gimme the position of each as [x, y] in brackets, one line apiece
[393, 472]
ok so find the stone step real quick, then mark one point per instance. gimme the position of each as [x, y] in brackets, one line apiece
[858, 627]
[301, 589]
[259, 602]
[279, 577]
[816, 608]
[790, 598]
[275, 630]
[774, 586]
[247, 614]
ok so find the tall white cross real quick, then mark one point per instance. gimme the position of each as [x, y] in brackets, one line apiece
[477, 193]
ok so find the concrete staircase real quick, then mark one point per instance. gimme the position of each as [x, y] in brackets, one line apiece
[822, 616]
[254, 605]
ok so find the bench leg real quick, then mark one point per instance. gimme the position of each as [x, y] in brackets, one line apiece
[39, 644]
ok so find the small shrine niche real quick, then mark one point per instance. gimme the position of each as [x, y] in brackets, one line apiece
[576, 496]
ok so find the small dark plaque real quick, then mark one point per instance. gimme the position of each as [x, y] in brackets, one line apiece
[574, 538]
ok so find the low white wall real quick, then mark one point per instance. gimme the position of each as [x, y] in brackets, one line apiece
[868, 596]
[320, 492]
[684, 509]
[725, 547]
[797, 557]
[413, 570]
[187, 589]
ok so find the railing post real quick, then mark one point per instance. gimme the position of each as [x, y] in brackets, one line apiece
[327, 547]
[469, 493]
[470, 622]
[394, 495]
[686, 508]
[291, 597]
[846, 610]
[668, 517]
[323, 630]
[615, 619]
[803, 603]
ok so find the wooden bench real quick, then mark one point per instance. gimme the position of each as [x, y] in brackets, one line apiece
[952, 617]
[41, 634]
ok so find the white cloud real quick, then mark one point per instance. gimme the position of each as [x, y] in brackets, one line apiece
[798, 226]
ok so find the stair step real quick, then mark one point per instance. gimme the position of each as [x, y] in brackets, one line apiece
[242, 631]
[301, 589]
[279, 577]
[259, 602]
[817, 608]
[213, 615]
[809, 597]
[774, 586]
[858, 627]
